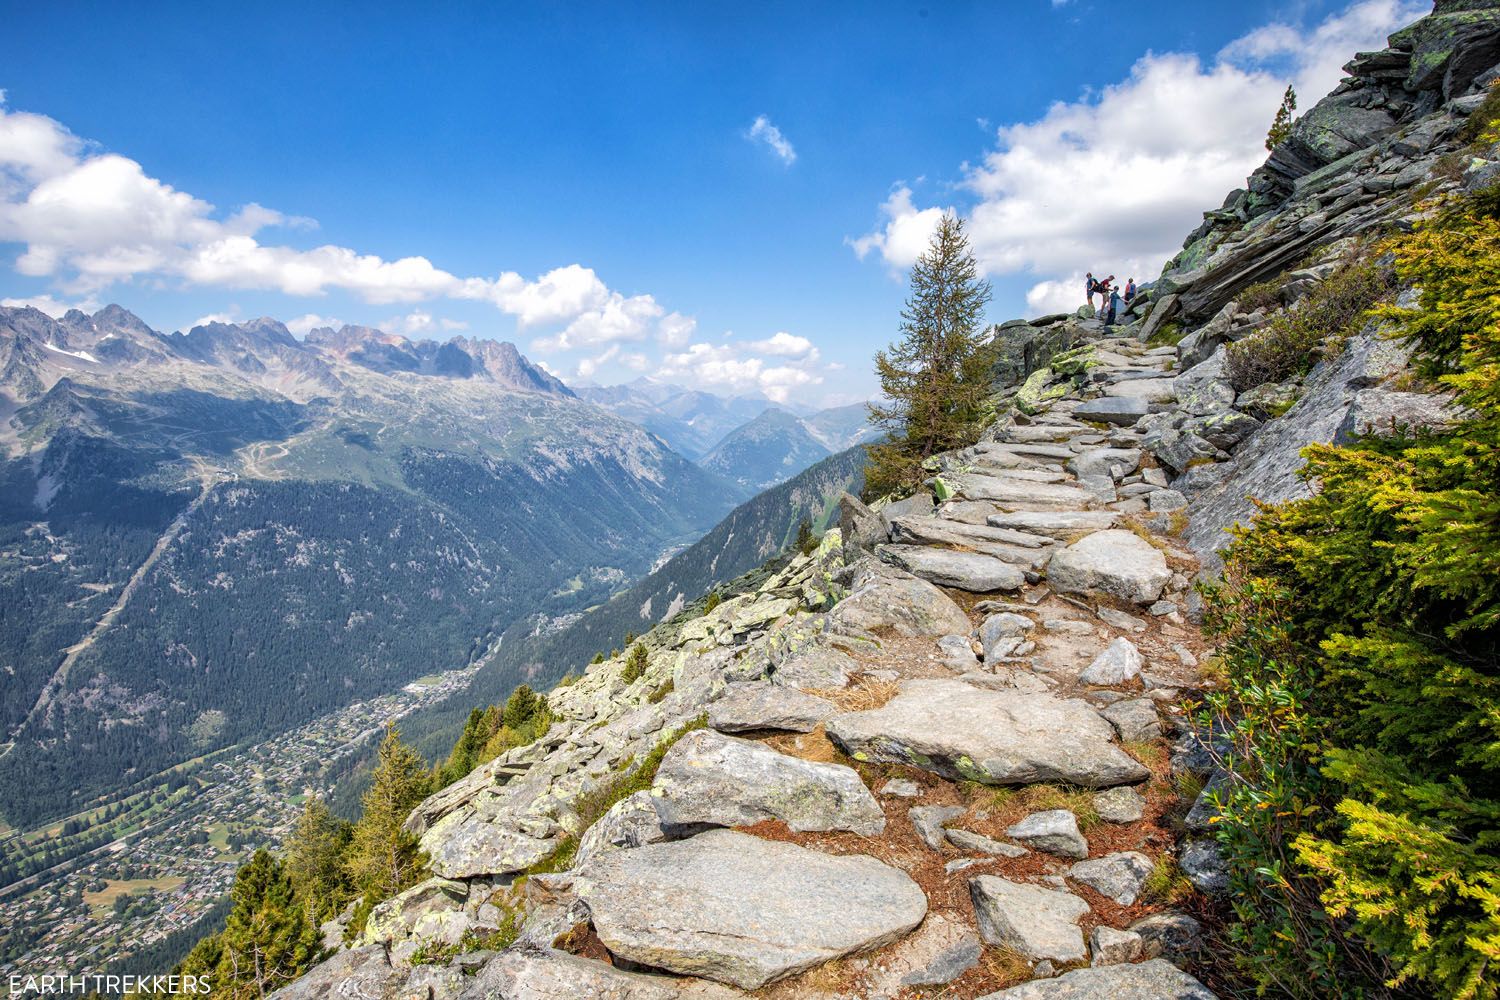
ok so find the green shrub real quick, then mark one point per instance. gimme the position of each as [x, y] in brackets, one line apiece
[1360, 629]
[1262, 295]
[1293, 341]
[635, 664]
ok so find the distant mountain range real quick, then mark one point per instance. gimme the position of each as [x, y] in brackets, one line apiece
[748, 440]
[210, 536]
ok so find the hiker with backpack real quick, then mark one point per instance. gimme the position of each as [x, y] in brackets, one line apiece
[1090, 286]
[1129, 292]
[1113, 307]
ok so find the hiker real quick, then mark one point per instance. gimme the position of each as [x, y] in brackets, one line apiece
[1129, 291]
[1090, 286]
[1103, 288]
[1114, 307]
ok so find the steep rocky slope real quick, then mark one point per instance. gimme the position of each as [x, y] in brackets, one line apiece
[948, 749]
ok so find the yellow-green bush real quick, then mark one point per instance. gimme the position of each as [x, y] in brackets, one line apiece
[1361, 629]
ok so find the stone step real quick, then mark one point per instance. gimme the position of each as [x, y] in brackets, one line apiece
[1011, 491]
[971, 571]
[942, 531]
[1055, 524]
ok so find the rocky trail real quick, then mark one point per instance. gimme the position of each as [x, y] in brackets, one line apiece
[950, 752]
[957, 777]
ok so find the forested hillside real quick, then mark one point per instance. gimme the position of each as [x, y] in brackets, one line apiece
[752, 533]
[192, 521]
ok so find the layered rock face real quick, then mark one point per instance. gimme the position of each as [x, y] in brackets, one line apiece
[957, 725]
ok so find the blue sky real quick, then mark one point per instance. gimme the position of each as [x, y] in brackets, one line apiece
[589, 179]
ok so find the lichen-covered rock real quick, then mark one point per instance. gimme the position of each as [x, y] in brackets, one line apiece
[1119, 876]
[884, 597]
[1202, 861]
[762, 705]
[1113, 562]
[1120, 805]
[1054, 831]
[631, 822]
[1036, 923]
[356, 974]
[995, 737]
[928, 822]
[1121, 410]
[969, 571]
[967, 840]
[1153, 980]
[1135, 719]
[711, 778]
[556, 975]
[1108, 946]
[741, 910]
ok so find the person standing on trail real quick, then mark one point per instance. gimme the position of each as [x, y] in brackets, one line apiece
[1089, 287]
[1114, 307]
[1130, 291]
[1103, 287]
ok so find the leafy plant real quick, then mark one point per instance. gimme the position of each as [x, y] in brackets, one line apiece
[1360, 626]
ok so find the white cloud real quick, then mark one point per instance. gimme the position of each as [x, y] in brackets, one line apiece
[306, 323]
[47, 304]
[675, 329]
[91, 219]
[727, 367]
[906, 232]
[1113, 181]
[762, 131]
[218, 317]
[783, 344]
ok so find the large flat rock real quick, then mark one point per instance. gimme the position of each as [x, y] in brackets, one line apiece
[763, 705]
[971, 571]
[997, 737]
[739, 910]
[1114, 562]
[1122, 410]
[1038, 923]
[1153, 980]
[886, 598]
[1003, 489]
[1055, 524]
[708, 777]
[556, 975]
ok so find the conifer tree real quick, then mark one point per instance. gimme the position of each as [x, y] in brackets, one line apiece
[268, 939]
[383, 858]
[521, 707]
[935, 379]
[635, 666]
[315, 860]
[1282, 126]
[806, 541]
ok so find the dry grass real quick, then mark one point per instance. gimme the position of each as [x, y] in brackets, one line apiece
[865, 694]
[1148, 752]
[814, 746]
[1011, 805]
[1005, 966]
